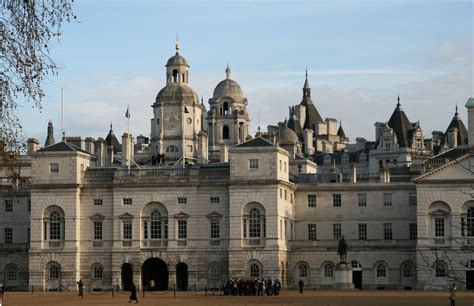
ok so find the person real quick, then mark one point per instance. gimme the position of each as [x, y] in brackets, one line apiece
[301, 285]
[80, 286]
[133, 294]
[452, 295]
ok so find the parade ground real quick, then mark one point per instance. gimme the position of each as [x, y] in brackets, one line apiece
[310, 297]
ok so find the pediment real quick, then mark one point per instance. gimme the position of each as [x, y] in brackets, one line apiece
[214, 215]
[126, 216]
[439, 212]
[97, 217]
[457, 169]
[181, 215]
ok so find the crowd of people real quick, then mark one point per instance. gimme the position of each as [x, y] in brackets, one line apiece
[239, 286]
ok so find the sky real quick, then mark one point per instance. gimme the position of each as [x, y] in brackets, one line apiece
[359, 54]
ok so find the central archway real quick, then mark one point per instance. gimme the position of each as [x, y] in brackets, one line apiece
[127, 276]
[157, 270]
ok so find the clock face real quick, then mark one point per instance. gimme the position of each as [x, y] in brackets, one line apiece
[188, 120]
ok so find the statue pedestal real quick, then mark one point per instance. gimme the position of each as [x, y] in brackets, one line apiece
[343, 276]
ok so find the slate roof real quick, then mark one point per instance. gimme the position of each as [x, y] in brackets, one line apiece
[470, 102]
[318, 158]
[112, 140]
[401, 126]
[312, 115]
[340, 132]
[295, 125]
[255, 142]
[62, 147]
[462, 131]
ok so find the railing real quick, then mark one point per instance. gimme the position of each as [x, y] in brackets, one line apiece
[354, 244]
[254, 242]
[10, 247]
[55, 244]
[154, 243]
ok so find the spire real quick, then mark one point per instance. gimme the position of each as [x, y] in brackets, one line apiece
[456, 113]
[227, 72]
[398, 101]
[50, 137]
[177, 44]
[306, 87]
[111, 130]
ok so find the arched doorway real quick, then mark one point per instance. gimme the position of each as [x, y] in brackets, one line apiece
[356, 274]
[127, 276]
[157, 270]
[182, 276]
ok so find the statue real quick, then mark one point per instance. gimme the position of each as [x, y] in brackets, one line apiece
[342, 249]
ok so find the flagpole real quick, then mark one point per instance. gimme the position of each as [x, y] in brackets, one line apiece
[128, 120]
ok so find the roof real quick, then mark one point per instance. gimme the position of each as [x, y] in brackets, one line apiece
[228, 88]
[112, 140]
[337, 157]
[255, 142]
[312, 114]
[177, 60]
[287, 135]
[62, 147]
[177, 92]
[456, 122]
[401, 126]
[340, 132]
[470, 103]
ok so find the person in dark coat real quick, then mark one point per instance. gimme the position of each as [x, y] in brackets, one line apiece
[80, 286]
[301, 285]
[133, 294]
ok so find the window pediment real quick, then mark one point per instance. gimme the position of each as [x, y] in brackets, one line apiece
[126, 216]
[97, 217]
[214, 215]
[439, 212]
[181, 215]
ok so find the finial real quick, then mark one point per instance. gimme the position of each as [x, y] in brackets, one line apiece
[227, 71]
[398, 100]
[340, 122]
[456, 113]
[111, 126]
[177, 43]
[306, 72]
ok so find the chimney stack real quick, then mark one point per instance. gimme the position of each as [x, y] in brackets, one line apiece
[353, 170]
[32, 144]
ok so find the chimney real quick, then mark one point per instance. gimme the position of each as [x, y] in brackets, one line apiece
[126, 150]
[470, 124]
[453, 137]
[202, 147]
[308, 141]
[32, 145]
[89, 142]
[224, 153]
[100, 152]
[353, 171]
[384, 175]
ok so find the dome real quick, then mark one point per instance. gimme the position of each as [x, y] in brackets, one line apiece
[177, 60]
[228, 88]
[287, 135]
[176, 92]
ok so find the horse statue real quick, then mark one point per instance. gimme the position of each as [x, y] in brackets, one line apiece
[342, 249]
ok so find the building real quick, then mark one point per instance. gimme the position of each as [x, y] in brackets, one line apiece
[201, 200]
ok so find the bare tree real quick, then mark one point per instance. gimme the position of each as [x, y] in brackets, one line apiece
[27, 28]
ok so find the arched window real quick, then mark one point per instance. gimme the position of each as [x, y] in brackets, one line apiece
[225, 132]
[172, 149]
[303, 270]
[54, 272]
[328, 270]
[175, 75]
[11, 273]
[381, 270]
[155, 225]
[407, 270]
[255, 229]
[470, 222]
[214, 271]
[98, 271]
[226, 108]
[254, 271]
[440, 269]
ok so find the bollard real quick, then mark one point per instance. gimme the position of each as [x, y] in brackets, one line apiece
[32, 289]
[143, 295]
[205, 292]
[89, 287]
[194, 287]
[112, 290]
[174, 290]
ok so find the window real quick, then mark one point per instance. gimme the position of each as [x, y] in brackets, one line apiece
[312, 232]
[407, 270]
[215, 271]
[412, 198]
[253, 163]
[54, 168]
[439, 227]
[98, 230]
[336, 200]
[285, 194]
[362, 231]
[182, 229]
[54, 272]
[303, 270]
[127, 201]
[214, 229]
[387, 199]
[362, 199]
[215, 200]
[254, 271]
[98, 272]
[8, 235]
[127, 230]
[311, 200]
[337, 232]
[255, 223]
[328, 270]
[470, 222]
[245, 228]
[155, 225]
[8, 205]
[29, 204]
[182, 200]
[55, 226]
[413, 231]
[440, 269]
[225, 132]
[387, 231]
[172, 149]
[281, 193]
[98, 202]
[381, 270]
[11, 273]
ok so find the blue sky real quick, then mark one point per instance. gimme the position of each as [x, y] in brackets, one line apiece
[359, 54]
